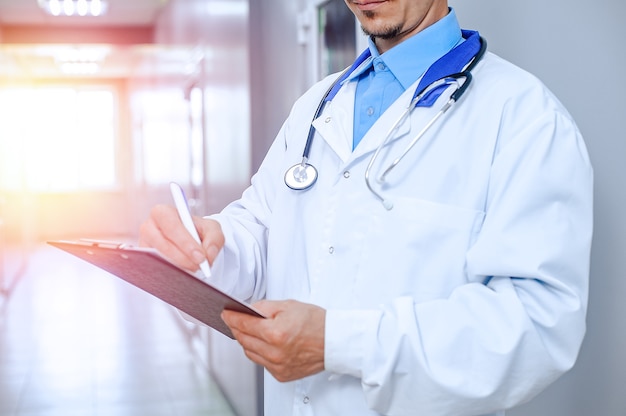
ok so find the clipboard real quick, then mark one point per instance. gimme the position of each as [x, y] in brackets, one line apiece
[146, 269]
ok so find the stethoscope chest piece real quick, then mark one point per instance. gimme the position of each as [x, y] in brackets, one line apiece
[301, 176]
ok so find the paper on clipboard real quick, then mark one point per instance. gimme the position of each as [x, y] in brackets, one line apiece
[148, 270]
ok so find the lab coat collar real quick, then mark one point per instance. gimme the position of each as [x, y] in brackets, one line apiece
[335, 125]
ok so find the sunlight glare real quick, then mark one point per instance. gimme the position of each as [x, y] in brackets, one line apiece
[57, 139]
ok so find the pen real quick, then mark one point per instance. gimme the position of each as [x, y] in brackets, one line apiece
[185, 216]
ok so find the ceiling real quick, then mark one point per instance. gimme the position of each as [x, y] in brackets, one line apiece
[27, 60]
[120, 13]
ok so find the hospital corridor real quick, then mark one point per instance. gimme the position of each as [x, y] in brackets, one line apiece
[74, 341]
[105, 103]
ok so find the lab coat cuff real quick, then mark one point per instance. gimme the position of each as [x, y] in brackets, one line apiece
[346, 339]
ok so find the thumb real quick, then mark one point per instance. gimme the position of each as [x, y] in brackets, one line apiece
[270, 308]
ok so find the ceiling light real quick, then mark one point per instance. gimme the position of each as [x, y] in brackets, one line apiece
[74, 7]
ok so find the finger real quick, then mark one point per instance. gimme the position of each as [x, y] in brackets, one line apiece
[250, 348]
[261, 329]
[151, 236]
[278, 360]
[254, 347]
[259, 351]
[242, 322]
[211, 235]
[165, 232]
[271, 308]
[268, 330]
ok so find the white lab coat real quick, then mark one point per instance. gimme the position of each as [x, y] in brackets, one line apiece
[470, 295]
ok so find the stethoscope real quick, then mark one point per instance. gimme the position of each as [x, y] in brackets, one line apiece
[456, 67]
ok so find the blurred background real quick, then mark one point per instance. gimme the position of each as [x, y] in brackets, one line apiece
[103, 103]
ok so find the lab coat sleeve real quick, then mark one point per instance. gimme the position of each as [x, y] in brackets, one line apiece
[518, 323]
[240, 267]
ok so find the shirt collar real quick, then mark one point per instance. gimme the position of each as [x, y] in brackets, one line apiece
[424, 48]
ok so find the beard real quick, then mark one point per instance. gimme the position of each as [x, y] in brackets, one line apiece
[389, 32]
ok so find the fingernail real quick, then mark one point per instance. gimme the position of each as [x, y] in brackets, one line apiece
[212, 252]
[197, 256]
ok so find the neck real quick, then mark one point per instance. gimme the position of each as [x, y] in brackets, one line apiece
[386, 42]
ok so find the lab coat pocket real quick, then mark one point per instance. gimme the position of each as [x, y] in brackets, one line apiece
[419, 247]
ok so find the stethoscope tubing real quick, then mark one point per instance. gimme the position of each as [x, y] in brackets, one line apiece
[447, 105]
[454, 97]
[303, 175]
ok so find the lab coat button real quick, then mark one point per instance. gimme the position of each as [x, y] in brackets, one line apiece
[306, 400]
[331, 249]
[327, 120]
[346, 174]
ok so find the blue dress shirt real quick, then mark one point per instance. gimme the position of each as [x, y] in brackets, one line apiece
[383, 78]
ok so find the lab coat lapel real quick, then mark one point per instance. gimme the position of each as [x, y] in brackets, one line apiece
[407, 130]
[335, 125]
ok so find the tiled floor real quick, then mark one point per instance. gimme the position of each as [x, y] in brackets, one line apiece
[76, 341]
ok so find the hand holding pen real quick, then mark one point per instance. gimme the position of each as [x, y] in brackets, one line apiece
[185, 216]
[165, 231]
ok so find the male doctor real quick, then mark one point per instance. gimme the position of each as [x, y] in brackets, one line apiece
[467, 297]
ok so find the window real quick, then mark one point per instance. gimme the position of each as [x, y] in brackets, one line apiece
[57, 139]
[169, 132]
[162, 131]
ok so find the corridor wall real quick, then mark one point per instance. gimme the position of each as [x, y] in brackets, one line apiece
[572, 45]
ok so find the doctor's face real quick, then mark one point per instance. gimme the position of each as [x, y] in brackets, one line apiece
[390, 22]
